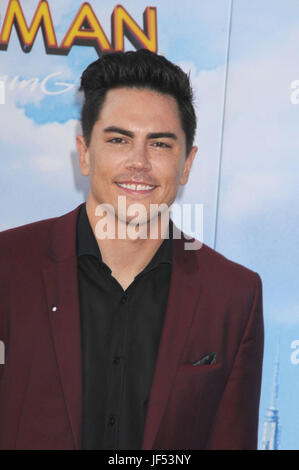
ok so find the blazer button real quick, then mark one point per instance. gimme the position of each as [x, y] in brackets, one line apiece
[54, 308]
[112, 420]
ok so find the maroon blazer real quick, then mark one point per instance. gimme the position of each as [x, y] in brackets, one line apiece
[214, 305]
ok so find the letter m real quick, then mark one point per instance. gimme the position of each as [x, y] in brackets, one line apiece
[42, 18]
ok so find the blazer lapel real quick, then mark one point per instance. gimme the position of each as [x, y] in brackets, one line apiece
[60, 278]
[182, 301]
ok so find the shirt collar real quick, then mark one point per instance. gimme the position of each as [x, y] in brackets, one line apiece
[87, 243]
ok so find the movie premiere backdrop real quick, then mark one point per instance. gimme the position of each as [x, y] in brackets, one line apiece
[243, 60]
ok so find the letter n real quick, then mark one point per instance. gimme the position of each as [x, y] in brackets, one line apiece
[122, 24]
[42, 18]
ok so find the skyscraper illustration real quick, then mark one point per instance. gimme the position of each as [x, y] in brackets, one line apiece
[271, 428]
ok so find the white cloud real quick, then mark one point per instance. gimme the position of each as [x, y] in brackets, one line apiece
[44, 149]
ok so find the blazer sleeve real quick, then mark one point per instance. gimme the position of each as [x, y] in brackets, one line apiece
[236, 422]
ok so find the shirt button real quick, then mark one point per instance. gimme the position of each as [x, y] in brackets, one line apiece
[116, 360]
[124, 299]
[111, 420]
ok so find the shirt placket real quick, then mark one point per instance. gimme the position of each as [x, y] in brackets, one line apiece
[117, 374]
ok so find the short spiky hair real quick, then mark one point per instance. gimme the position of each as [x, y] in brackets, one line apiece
[141, 69]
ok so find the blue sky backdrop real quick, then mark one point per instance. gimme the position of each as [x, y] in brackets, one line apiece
[246, 170]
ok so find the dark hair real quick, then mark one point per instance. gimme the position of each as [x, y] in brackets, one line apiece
[141, 69]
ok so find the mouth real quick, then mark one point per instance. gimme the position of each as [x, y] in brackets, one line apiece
[136, 188]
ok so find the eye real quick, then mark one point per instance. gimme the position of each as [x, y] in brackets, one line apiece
[161, 145]
[117, 140]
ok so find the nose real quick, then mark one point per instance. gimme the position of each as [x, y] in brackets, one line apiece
[138, 158]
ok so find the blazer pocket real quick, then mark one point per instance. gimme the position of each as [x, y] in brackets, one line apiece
[193, 401]
[195, 386]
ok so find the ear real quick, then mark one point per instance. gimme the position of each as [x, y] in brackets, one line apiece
[84, 158]
[187, 165]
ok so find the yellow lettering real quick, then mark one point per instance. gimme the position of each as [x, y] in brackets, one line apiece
[86, 30]
[42, 17]
[124, 25]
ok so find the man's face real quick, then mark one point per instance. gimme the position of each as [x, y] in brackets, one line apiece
[137, 140]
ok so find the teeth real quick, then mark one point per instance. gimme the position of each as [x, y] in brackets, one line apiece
[136, 187]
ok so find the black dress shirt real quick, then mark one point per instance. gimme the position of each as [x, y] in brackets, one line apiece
[121, 331]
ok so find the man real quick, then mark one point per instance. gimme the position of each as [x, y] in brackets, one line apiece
[125, 342]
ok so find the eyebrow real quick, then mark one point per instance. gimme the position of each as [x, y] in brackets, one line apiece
[151, 135]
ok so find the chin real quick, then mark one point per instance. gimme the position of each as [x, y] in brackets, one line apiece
[133, 220]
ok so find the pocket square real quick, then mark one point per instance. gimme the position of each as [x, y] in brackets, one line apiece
[206, 360]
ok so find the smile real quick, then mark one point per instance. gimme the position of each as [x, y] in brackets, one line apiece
[142, 188]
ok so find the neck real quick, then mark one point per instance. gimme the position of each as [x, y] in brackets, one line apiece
[127, 256]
